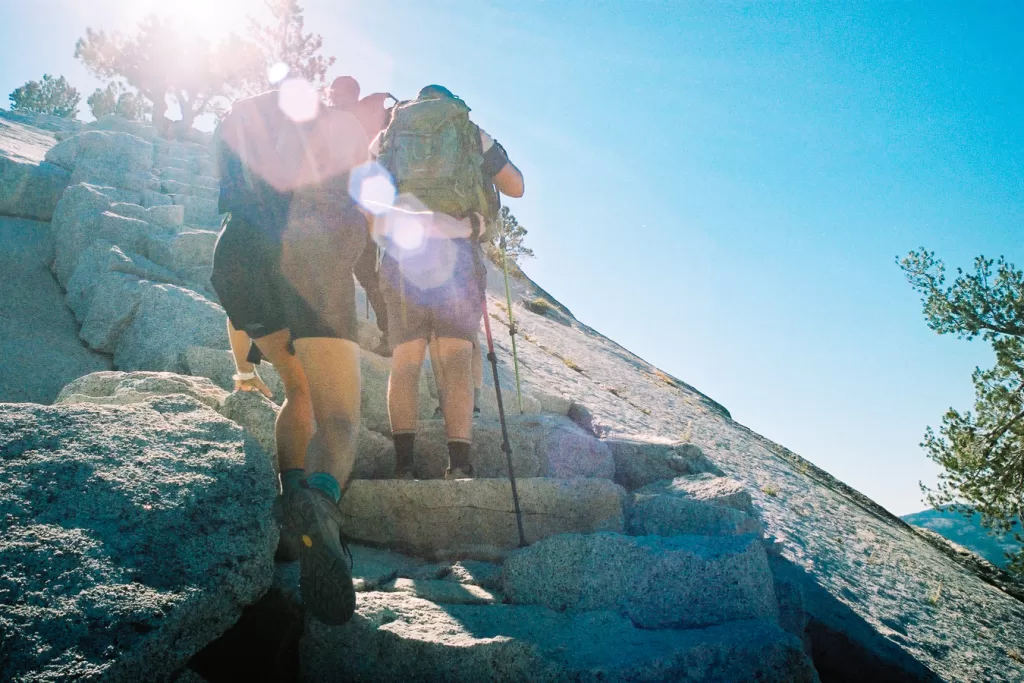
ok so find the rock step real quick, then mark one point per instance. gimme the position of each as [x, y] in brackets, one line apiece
[643, 459]
[199, 211]
[197, 165]
[177, 175]
[703, 504]
[399, 637]
[475, 517]
[656, 582]
[173, 187]
[542, 446]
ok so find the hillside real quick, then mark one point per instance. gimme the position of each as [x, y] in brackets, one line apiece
[707, 551]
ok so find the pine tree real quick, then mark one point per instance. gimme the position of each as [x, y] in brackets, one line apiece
[53, 96]
[981, 453]
[509, 235]
[283, 40]
[116, 99]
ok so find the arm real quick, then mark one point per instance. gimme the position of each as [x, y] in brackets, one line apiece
[506, 177]
[239, 342]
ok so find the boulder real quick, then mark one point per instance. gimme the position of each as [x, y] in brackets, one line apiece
[167, 216]
[30, 190]
[72, 227]
[133, 535]
[657, 582]
[542, 446]
[104, 257]
[642, 460]
[685, 506]
[256, 413]
[168, 322]
[109, 308]
[114, 152]
[400, 637]
[103, 172]
[124, 388]
[112, 122]
[554, 404]
[183, 250]
[475, 516]
[174, 187]
[152, 199]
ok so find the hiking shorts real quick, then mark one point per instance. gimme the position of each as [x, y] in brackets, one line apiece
[439, 291]
[298, 279]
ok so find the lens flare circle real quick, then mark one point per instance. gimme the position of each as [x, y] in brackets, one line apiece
[277, 73]
[407, 231]
[298, 100]
[370, 185]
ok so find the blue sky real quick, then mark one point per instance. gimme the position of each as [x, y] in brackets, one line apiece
[722, 188]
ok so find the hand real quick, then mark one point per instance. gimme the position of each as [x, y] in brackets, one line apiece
[254, 384]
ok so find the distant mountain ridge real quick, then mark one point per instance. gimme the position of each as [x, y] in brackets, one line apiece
[967, 531]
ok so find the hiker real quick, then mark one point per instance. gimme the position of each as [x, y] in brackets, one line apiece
[432, 273]
[283, 272]
[372, 116]
[478, 374]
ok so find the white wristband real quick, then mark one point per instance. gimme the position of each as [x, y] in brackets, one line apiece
[243, 376]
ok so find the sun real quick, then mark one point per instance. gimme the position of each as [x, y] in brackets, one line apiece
[211, 19]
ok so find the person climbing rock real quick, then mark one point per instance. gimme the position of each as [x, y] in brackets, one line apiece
[445, 168]
[283, 272]
[372, 116]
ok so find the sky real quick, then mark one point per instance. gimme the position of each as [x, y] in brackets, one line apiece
[723, 188]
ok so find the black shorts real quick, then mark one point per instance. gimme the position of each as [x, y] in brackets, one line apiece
[439, 291]
[299, 279]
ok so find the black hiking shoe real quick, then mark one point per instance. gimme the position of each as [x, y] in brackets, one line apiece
[457, 472]
[284, 515]
[325, 563]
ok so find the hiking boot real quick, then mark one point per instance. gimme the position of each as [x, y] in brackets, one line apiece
[325, 563]
[438, 413]
[284, 515]
[383, 349]
[463, 472]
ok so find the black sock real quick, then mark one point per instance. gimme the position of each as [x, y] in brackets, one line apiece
[458, 455]
[403, 448]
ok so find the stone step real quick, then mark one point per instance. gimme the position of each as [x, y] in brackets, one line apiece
[199, 211]
[188, 178]
[184, 250]
[475, 517]
[173, 187]
[399, 637]
[656, 582]
[644, 459]
[696, 504]
[542, 446]
[195, 165]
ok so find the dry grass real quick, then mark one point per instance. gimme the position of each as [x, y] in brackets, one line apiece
[572, 365]
[769, 490]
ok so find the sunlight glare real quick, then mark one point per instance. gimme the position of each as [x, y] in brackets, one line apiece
[299, 100]
[277, 73]
[370, 185]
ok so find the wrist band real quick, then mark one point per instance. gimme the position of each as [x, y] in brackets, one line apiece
[243, 376]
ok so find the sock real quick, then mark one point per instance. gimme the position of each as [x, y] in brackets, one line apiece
[403, 447]
[458, 455]
[325, 483]
[291, 480]
[476, 398]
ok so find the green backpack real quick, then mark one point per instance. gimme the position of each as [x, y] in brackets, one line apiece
[433, 152]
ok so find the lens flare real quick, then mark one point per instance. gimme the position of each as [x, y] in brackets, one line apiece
[277, 73]
[299, 100]
[370, 185]
[407, 231]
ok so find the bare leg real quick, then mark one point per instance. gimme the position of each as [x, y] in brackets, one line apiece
[404, 385]
[332, 369]
[294, 426]
[456, 356]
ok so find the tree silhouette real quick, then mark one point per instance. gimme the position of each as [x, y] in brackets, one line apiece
[283, 40]
[49, 96]
[165, 58]
[116, 99]
[508, 236]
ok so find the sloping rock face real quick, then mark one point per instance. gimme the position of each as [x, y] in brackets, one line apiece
[40, 350]
[29, 185]
[875, 600]
[133, 535]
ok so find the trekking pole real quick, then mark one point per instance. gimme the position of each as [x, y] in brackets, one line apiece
[505, 446]
[511, 324]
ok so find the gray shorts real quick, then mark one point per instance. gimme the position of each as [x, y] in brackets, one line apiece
[438, 291]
